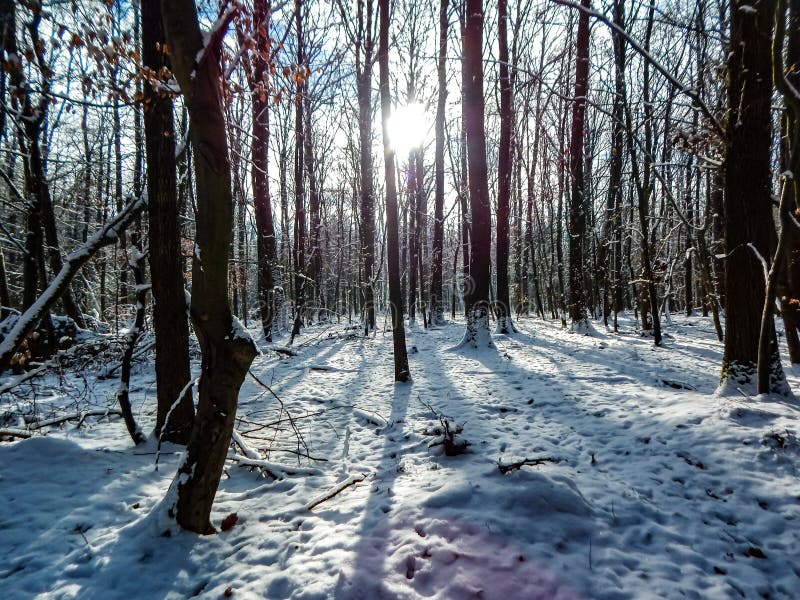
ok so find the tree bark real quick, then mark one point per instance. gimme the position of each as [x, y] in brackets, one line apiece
[610, 275]
[503, 303]
[364, 64]
[436, 303]
[576, 223]
[748, 202]
[299, 184]
[401, 370]
[170, 324]
[226, 348]
[790, 299]
[477, 332]
[258, 74]
[769, 362]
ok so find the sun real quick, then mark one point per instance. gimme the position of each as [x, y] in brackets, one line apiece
[408, 127]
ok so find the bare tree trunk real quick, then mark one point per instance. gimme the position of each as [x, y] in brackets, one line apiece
[421, 204]
[314, 206]
[258, 74]
[132, 336]
[364, 65]
[610, 241]
[299, 187]
[643, 184]
[769, 362]
[463, 189]
[748, 206]
[790, 308]
[227, 349]
[401, 371]
[477, 333]
[576, 223]
[170, 324]
[7, 13]
[437, 308]
[503, 304]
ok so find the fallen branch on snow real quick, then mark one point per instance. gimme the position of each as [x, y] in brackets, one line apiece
[19, 433]
[80, 415]
[246, 450]
[32, 428]
[282, 350]
[350, 481]
[525, 462]
[272, 469]
[73, 263]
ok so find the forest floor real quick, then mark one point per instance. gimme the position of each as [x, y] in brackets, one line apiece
[657, 489]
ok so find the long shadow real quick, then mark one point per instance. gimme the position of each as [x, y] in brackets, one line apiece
[371, 549]
[680, 471]
[289, 375]
[66, 525]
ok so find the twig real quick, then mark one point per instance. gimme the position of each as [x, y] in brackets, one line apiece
[692, 93]
[274, 470]
[350, 481]
[246, 450]
[99, 412]
[531, 462]
[300, 439]
[72, 264]
[68, 353]
[109, 371]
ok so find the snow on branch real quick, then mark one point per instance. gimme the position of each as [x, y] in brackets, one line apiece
[73, 263]
[213, 38]
[692, 93]
[760, 259]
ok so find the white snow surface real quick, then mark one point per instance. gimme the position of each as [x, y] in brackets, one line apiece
[662, 490]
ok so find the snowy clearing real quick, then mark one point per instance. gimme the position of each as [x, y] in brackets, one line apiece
[656, 488]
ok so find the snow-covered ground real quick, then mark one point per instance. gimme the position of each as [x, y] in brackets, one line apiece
[657, 488]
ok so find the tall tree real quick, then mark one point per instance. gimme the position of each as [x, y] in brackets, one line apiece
[7, 13]
[364, 43]
[166, 265]
[300, 279]
[576, 222]
[437, 308]
[42, 231]
[401, 370]
[748, 192]
[227, 349]
[503, 303]
[768, 355]
[790, 307]
[257, 68]
[610, 275]
[477, 332]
